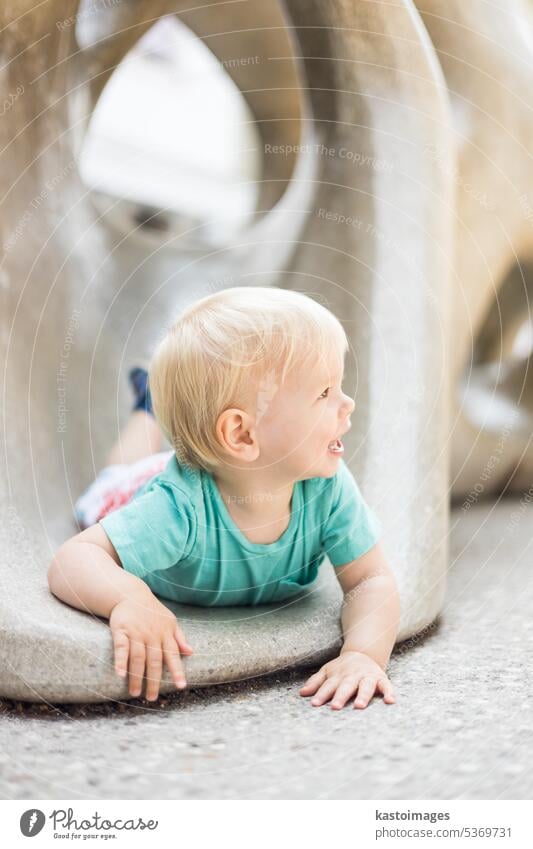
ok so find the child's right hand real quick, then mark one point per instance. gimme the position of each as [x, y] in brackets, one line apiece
[145, 632]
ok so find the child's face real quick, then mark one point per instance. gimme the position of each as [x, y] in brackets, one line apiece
[297, 422]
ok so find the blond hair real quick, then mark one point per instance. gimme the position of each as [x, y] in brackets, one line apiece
[230, 349]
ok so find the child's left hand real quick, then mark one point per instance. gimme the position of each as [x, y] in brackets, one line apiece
[349, 672]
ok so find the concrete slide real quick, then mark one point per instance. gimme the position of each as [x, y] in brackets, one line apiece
[356, 213]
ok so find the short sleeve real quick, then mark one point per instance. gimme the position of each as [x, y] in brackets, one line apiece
[153, 532]
[351, 528]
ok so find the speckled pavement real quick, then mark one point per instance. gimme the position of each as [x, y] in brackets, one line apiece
[461, 728]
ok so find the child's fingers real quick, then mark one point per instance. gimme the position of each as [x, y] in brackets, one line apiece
[173, 661]
[325, 692]
[367, 687]
[181, 639]
[137, 661]
[313, 683]
[387, 689]
[345, 691]
[154, 668]
[121, 647]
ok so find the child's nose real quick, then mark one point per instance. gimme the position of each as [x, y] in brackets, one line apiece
[349, 405]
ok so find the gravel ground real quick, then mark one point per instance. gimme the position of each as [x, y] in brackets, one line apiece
[461, 727]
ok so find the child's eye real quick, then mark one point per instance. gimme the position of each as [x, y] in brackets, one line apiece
[324, 394]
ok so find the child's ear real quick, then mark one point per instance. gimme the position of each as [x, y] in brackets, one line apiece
[237, 435]
[252, 442]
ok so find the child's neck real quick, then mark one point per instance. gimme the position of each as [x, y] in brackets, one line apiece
[262, 509]
[255, 495]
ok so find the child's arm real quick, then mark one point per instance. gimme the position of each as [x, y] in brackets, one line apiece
[86, 573]
[370, 618]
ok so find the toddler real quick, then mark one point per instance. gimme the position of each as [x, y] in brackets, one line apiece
[246, 386]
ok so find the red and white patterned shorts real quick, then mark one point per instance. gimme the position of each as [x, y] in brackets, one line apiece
[115, 486]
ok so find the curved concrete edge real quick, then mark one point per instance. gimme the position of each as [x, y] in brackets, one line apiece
[377, 248]
[71, 659]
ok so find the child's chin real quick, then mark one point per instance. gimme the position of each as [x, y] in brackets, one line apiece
[327, 470]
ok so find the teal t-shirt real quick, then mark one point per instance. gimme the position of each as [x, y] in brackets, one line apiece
[178, 536]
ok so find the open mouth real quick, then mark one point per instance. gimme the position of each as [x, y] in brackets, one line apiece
[336, 447]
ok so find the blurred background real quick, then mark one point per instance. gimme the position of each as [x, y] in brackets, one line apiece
[172, 145]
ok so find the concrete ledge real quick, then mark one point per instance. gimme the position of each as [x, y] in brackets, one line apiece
[66, 655]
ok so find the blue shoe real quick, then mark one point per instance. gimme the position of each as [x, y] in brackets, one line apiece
[138, 378]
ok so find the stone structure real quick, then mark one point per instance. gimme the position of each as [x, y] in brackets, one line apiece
[396, 206]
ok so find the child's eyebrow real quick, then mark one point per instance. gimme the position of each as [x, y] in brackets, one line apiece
[336, 375]
[326, 381]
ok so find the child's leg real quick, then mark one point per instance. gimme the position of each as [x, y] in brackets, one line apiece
[141, 437]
